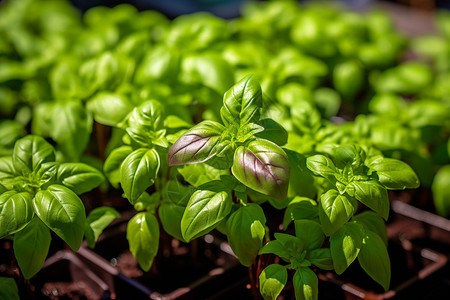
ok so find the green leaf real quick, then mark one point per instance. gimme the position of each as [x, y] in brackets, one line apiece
[112, 164]
[345, 245]
[247, 132]
[79, 177]
[301, 180]
[373, 195]
[245, 232]
[242, 102]
[264, 167]
[321, 258]
[374, 259]
[395, 174]
[306, 284]
[276, 247]
[30, 152]
[273, 132]
[143, 237]
[16, 211]
[31, 246]
[47, 174]
[2, 189]
[441, 192]
[170, 215]
[352, 155]
[322, 166]
[7, 170]
[373, 222]
[335, 210]
[109, 108]
[206, 208]
[146, 122]
[199, 174]
[300, 208]
[272, 281]
[197, 145]
[97, 221]
[63, 212]
[138, 171]
[310, 233]
[71, 128]
[208, 69]
[8, 289]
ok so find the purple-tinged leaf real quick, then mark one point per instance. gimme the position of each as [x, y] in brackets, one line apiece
[197, 145]
[264, 167]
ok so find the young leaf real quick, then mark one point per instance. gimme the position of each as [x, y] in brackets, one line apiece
[8, 289]
[373, 222]
[373, 195]
[63, 212]
[321, 258]
[205, 209]
[322, 166]
[245, 232]
[264, 167]
[242, 103]
[310, 233]
[395, 174]
[272, 281]
[79, 177]
[112, 164]
[138, 171]
[143, 237]
[306, 284]
[345, 245]
[148, 117]
[30, 152]
[335, 210]
[374, 259]
[197, 145]
[348, 155]
[275, 247]
[47, 174]
[16, 211]
[97, 221]
[31, 246]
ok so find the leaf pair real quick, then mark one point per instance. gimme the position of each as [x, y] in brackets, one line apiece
[258, 163]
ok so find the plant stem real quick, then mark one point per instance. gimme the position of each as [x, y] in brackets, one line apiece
[253, 280]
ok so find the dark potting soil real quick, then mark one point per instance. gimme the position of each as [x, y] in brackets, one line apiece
[177, 264]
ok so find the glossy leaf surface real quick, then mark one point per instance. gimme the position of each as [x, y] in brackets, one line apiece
[16, 210]
[242, 103]
[143, 237]
[272, 281]
[197, 145]
[138, 171]
[63, 212]
[79, 177]
[264, 167]
[245, 232]
[31, 246]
